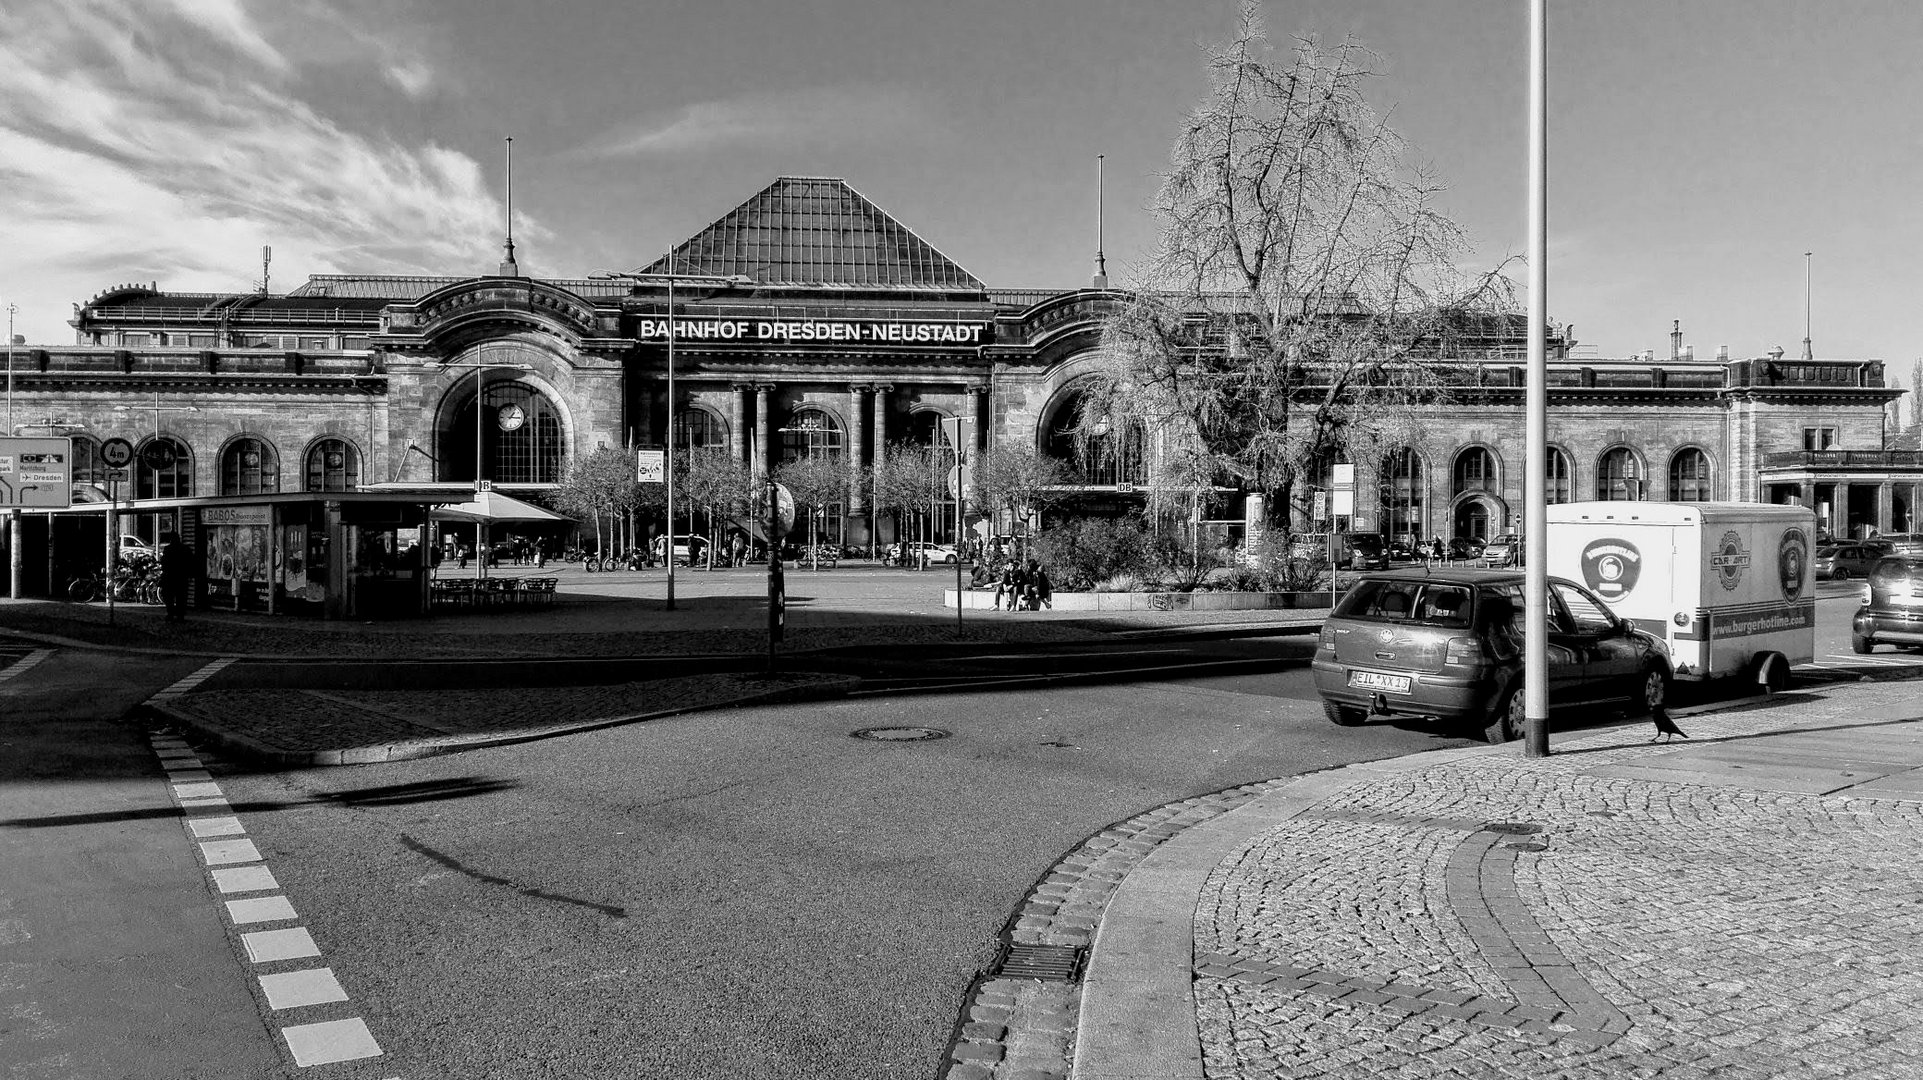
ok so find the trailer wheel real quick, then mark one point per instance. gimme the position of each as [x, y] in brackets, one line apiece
[1772, 672]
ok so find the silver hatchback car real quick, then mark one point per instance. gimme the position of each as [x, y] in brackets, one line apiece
[1447, 644]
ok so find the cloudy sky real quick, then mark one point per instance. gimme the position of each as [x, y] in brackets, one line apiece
[1698, 149]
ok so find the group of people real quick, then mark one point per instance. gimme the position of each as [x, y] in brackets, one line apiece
[1024, 588]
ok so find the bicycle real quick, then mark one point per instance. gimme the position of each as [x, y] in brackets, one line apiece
[84, 589]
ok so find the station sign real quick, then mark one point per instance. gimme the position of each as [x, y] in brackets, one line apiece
[815, 331]
[36, 474]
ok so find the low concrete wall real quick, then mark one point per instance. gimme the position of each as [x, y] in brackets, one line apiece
[1156, 601]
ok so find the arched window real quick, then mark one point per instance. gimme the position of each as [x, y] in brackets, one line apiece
[1689, 476]
[698, 429]
[163, 469]
[1402, 489]
[87, 466]
[810, 432]
[1619, 477]
[521, 436]
[1100, 457]
[333, 465]
[249, 467]
[1555, 473]
[1475, 471]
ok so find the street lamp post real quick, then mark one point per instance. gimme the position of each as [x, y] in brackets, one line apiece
[11, 308]
[480, 375]
[671, 278]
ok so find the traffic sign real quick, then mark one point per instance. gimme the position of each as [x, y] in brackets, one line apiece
[36, 474]
[117, 453]
[651, 466]
[159, 455]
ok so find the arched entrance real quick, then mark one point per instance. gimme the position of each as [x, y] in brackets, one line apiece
[522, 441]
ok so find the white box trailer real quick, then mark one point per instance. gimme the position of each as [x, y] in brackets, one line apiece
[1727, 586]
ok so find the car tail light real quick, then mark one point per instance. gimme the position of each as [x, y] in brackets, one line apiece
[1463, 650]
[1326, 639]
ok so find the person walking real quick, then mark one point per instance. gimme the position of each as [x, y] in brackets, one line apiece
[176, 575]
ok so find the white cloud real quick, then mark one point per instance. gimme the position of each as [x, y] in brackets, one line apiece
[135, 147]
[845, 114]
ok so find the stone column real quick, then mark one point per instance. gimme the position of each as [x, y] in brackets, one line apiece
[737, 424]
[1885, 507]
[857, 500]
[880, 444]
[643, 419]
[764, 454]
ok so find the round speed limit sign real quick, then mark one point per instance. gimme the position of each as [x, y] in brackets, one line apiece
[116, 453]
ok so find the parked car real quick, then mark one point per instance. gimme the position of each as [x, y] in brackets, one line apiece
[1446, 644]
[1840, 562]
[1363, 551]
[1902, 543]
[687, 549]
[1892, 609]
[1403, 548]
[934, 553]
[1463, 548]
[131, 544]
[1504, 550]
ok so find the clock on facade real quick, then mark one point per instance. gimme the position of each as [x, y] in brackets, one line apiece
[510, 417]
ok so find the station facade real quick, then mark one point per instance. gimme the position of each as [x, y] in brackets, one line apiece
[808, 321]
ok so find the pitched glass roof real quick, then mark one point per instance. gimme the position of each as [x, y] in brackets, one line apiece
[812, 230]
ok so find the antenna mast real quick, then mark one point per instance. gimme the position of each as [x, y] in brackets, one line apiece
[266, 259]
[508, 267]
[1101, 263]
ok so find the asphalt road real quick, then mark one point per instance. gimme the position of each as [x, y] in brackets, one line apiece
[750, 893]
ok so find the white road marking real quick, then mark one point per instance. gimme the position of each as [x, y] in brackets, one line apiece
[335, 1040]
[293, 943]
[24, 664]
[260, 909]
[233, 879]
[292, 989]
[214, 826]
[222, 852]
[194, 789]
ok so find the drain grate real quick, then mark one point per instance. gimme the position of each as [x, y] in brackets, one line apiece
[1051, 963]
[1512, 828]
[899, 734]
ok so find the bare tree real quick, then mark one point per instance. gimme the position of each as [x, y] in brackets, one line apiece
[816, 482]
[1012, 477]
[597, 484]
[718, 483]
[911, 479]
[1303, 284]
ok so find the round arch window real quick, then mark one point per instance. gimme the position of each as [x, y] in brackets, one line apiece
[521, 437]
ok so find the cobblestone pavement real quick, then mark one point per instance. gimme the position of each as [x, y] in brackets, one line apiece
[1756, 912]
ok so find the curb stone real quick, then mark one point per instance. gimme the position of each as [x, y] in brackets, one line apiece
[177, 711]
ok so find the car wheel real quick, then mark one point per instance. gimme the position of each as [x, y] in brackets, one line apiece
[1841, 573]
[1861, 645]
[1343, 715]
[1506, 719]
[1652, 693]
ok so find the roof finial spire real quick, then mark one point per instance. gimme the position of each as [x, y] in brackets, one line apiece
[1101, 264]
[1808, 354]
[508, 267]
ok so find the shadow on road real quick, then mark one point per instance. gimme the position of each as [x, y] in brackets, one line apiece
[464, 787]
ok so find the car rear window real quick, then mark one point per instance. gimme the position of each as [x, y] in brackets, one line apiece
[1894, 568]
[1428, 602]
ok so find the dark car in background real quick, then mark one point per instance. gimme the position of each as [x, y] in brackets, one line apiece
[1446, 644]
[1465, 548]
[1364, 551]
[1840, 562]
[1892, 608]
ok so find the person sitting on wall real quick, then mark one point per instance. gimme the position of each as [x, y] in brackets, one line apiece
[1036, 593]
[1009, 585]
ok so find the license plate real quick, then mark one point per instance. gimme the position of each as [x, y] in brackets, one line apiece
[1375, 680]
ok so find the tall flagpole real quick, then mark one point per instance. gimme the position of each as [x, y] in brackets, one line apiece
[1535, 670]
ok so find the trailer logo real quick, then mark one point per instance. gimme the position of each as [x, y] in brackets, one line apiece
[1611, 567]
[1792, 562]
[1729, 560]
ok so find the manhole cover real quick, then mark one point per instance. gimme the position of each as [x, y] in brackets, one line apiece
[1516, 828]
[899, 734]
[1528, 845]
